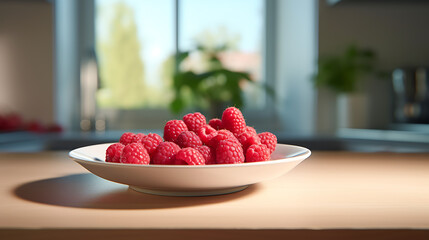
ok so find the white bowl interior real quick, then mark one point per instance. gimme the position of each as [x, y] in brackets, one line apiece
[164, 179]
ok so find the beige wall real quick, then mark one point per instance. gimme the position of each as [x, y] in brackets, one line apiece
[398, 32]
[26, 59]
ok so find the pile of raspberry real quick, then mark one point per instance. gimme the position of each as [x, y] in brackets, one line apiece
[191, 141]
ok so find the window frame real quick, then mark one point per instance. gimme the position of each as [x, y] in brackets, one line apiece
[156, 118]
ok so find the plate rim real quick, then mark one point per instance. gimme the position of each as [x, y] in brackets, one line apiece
[301, 156]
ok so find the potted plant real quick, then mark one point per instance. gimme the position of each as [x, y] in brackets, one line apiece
[209, 87]
[345, 75]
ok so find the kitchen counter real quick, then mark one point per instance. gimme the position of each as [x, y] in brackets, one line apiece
[333, 195]
[356, 140]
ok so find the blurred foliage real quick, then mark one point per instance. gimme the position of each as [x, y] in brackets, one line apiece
[207, 84]
[121, 68]
[213, 87]
[342, 73]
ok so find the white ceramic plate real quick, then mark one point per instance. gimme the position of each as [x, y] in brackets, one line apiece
[182, 180]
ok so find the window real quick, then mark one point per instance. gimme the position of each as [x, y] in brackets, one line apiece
[238, 24]
[136, 42]
[285, 34]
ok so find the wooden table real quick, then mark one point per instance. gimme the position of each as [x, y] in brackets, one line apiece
[333, 195]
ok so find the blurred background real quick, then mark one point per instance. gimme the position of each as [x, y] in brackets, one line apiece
[327, 75]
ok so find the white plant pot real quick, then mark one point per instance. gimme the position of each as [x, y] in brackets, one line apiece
[352, 111]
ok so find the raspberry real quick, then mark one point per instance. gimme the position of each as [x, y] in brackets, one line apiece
[135, 153]
[188, 139]
[208, 154]
[251, 129]
[248, 138]
[216, 123]
[257, 153]
[189, 156]
[268, 139]
[229, 152]
[127, 138]
[113, 152]
[137, 137]
[220, 135]
[164, 153]
[150, 142]
[233, 120]
[246, 129]
[35, 126]
[173, 128]
[205, 132]
[194, 121]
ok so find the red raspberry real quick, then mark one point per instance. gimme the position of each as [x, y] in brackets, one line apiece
[135, 153]
[35, 126]
[220, 135]
[194, 121]
[113, 152]
[150, 142]
[216, 123]
[257, 153]
[127, 138]
[268, 139]
[205, 132]
[164, 153]
[233, 120]
[55, 127]
[248, 138]
[208, 153]
[10, 122]
[138, 137]
[189, 156]
[229, 152]
[246, 129]
[173, 128]
[188, 139]
[251, 129]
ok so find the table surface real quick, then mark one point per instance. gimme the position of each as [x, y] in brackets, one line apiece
[329, 190]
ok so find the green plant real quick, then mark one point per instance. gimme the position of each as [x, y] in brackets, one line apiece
[213, 87]
[342, 73]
